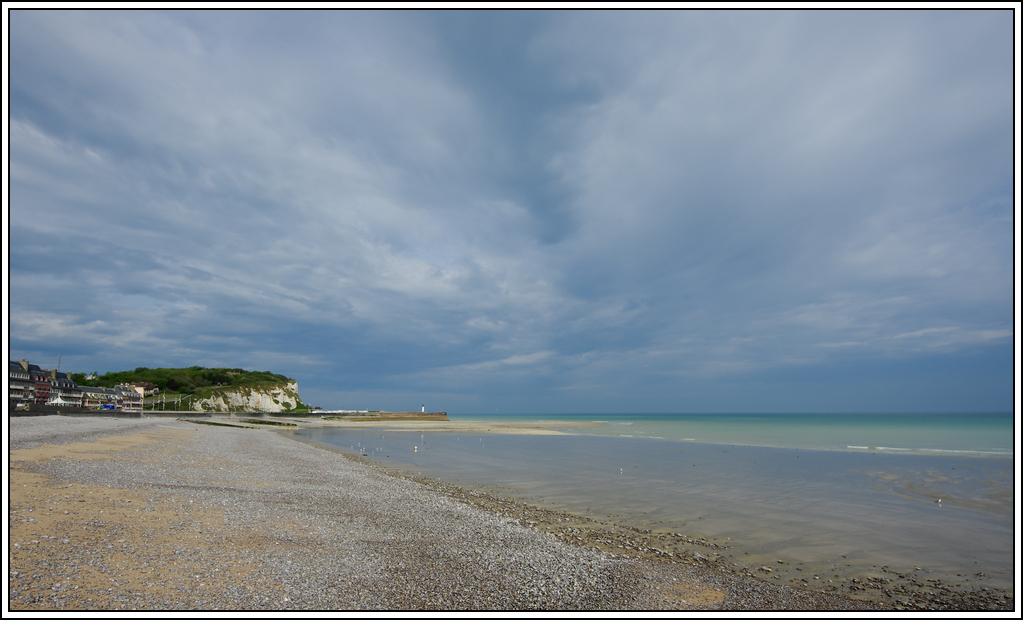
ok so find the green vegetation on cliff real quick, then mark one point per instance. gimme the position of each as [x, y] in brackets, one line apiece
[184, 381]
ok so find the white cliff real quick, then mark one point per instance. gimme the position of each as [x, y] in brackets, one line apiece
[275, 398]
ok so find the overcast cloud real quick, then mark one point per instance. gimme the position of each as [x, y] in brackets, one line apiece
[525, 211]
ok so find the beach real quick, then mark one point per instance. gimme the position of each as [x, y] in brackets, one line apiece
[166, 514]
[862, 523]
[169, 514]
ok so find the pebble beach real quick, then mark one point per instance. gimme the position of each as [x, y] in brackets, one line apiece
[164, 514]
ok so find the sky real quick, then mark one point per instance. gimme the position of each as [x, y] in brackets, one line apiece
[522, 212]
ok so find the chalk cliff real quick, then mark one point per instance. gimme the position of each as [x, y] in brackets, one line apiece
[269, 398]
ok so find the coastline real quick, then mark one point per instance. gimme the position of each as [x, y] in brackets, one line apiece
[172, 515]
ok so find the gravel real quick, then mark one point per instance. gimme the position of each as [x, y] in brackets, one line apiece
[220, 518]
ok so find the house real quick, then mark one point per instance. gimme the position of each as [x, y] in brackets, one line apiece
[98, 398]
[63, 391]
[41, 380]
[128, 398]
[146, 388]
[21, 387]
[29, 384]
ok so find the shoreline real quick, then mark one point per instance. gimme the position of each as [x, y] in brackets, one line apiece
[901, 587]
[203, 497]
[456, 426]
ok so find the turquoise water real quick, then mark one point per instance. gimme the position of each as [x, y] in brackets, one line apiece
[978, 434]
[842, 494]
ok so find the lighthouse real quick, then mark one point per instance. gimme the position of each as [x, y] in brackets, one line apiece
[424, 408]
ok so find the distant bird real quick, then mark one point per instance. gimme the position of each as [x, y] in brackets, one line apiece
[938, 502]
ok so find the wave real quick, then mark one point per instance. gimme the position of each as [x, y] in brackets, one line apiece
[932, 450]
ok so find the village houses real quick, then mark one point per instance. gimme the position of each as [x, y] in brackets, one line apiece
[31, 385]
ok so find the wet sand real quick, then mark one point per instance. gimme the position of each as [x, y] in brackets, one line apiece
[160, 514]
[538, 427]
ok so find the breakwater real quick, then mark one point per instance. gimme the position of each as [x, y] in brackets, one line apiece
[413, 415]
[384, 415]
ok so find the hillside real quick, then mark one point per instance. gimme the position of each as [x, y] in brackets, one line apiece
[182, 380]
[210, 389]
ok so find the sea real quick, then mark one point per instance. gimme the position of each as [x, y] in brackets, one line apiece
[846, 496]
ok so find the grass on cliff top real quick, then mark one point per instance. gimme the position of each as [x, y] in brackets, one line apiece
[184, 381]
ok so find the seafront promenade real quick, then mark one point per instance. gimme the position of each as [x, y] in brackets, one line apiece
[169, 514]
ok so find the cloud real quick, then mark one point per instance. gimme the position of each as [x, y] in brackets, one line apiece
[512, 203]
[515, 360]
